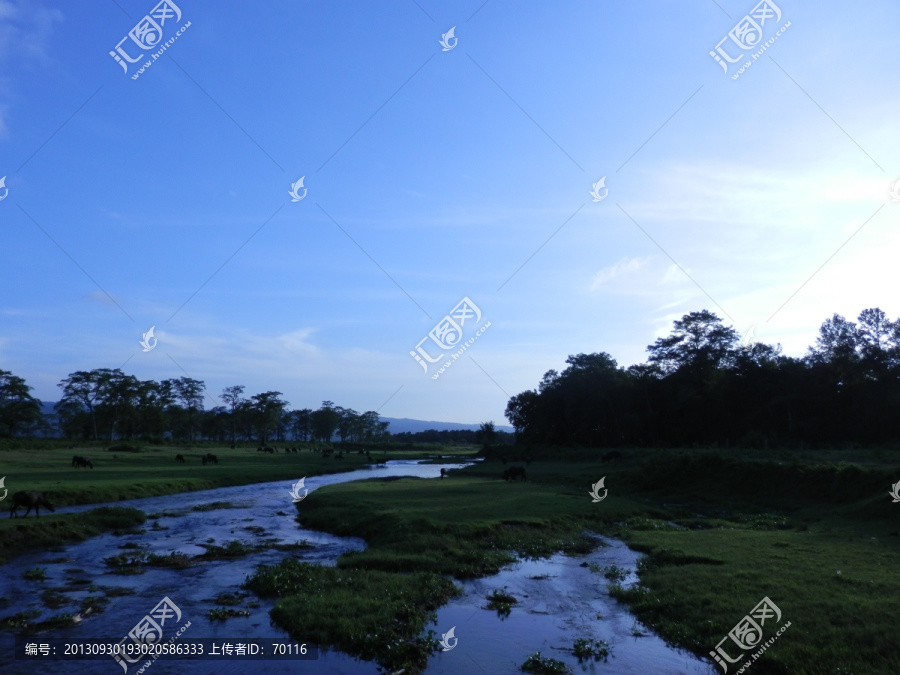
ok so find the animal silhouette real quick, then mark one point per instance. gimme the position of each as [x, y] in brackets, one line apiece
[33, 500]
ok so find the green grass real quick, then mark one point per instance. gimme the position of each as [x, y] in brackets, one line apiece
[721, 533]
[18, 535]
[46, 466]
[721, 530]
[373, 615]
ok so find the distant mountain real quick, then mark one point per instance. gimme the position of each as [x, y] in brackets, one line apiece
[403, 424]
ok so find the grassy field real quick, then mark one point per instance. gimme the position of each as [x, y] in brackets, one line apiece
[721, 532]
[152, 471]
[816, 532]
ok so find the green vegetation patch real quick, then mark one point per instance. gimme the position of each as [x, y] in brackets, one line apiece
[544, 665]
[25, 534]
[370, 614]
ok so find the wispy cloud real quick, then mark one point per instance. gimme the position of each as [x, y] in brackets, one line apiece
[622, 267]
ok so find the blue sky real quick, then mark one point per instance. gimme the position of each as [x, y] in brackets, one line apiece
[432, 176]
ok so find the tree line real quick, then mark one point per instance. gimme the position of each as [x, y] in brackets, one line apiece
[108, 404]
[701, 386]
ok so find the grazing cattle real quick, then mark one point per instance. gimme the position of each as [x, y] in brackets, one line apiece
[513, 473]
[210, 458]
[271, 451]
[260, 449]
[84, 462]
[443, 473]
[179, 458]
[295, 450]
[31, 499]
[615, 455]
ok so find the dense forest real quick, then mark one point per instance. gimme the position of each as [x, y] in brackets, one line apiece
[701, 387]
[108, 404]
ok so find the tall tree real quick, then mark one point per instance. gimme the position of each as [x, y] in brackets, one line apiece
[189, 392]
[232, 398]
[325, 421]
[18, 408]
[88, 388]
[268, 408]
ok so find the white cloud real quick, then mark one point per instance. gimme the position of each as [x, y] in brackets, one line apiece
[623, 266]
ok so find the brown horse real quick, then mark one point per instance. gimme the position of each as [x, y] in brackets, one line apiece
[31, 499]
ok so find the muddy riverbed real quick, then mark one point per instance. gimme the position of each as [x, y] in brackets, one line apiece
[559, 600]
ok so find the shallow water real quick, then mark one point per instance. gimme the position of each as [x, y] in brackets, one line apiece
[551, 613]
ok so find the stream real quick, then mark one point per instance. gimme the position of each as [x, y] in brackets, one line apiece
[559, 599]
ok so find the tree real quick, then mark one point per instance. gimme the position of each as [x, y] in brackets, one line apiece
[189, 392]
[18, 408]
[698, 342]
[486, 433]
[87, 388]
[325, 421]
[231, 397]
[268, 408]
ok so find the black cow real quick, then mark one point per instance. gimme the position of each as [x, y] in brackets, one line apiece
[614, 455]
[179, 458]
[513, 473]
[84, 462]
[31, 499]
[210, 458]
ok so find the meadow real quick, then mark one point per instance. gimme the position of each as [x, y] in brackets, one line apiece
[815, 531]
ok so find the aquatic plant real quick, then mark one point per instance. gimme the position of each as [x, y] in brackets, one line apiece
[35, 574]
[586, 649]
[544, 665]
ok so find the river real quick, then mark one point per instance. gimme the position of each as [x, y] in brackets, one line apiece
[560, 598]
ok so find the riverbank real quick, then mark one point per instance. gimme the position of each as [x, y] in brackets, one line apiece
[151, 472]
[722, 531]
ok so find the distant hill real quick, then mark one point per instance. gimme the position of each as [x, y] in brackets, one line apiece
[404, 424]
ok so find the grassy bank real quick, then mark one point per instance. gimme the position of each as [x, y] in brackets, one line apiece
[20, 535]
[722, 531]
[154, 471]
[151, 471]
